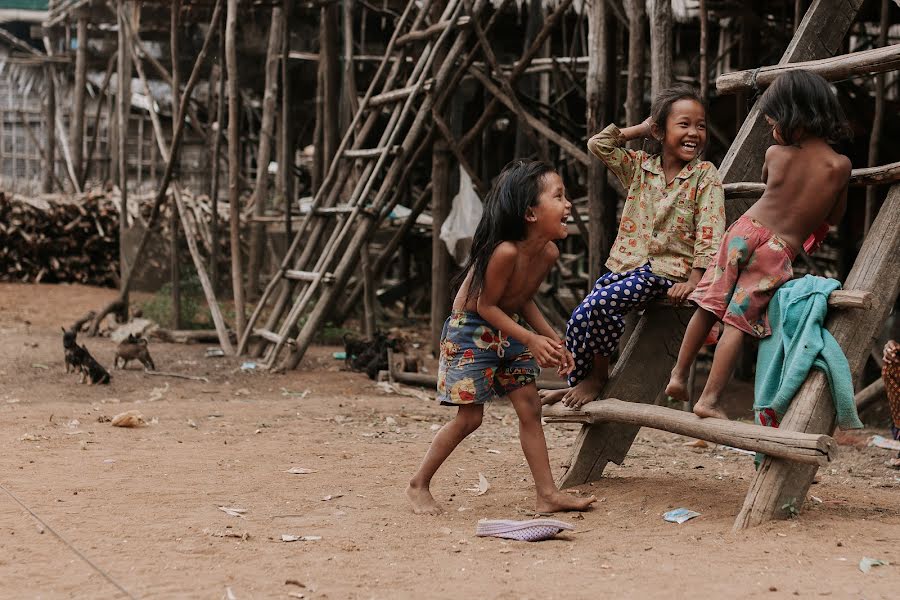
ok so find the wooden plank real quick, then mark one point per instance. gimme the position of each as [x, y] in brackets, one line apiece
[392, 96]
[641, 372]
[778, 483]
[879, 175]
[272, 337]
[865, 62]
[813, 449]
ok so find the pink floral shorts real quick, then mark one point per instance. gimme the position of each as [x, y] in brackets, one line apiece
[750, 265]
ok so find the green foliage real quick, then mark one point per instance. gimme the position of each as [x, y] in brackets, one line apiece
[790, 508]
[194, 314]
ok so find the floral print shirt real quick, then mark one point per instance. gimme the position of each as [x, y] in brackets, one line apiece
[674, 226]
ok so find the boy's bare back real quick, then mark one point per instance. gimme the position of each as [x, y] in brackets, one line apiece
[527, 268]
[806, 185]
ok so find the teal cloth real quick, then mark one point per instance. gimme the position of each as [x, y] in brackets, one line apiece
[798, 342]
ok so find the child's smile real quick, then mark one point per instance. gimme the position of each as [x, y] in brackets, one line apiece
[685, 131]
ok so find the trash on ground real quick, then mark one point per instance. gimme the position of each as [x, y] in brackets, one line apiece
[532, 530]
[883, 442]
[697, 444]
[300, 538]
[248, 366]
[402, 390]
[339, 355]
[680, 515]
[740, 450]
[332, 497]
[39, 366]
[290, 394]
[866, 563]
[131, 418]
[482, 487]
[233, 511]
[300, 471]
[214, 352]
[158, 392]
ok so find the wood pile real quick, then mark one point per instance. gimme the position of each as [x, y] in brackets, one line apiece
[59, 240]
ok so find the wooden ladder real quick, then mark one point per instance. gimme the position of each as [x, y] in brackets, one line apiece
[376, 174]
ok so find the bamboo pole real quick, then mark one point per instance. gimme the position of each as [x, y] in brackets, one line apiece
[878, 175]
[49, 131]
[174, 33]
[78, 109]
[217, 146]
[595, 86]
[123, 108]
[285, 150]
[877, 119]
[806, 448]
[266, 131]
[237, 275]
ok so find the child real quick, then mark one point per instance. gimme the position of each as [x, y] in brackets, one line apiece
[485, 348]
[806, 185]
[672, 222]
[890, 373]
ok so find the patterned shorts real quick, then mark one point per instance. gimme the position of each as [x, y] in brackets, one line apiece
[751, 264]
[890, 373]
[478, 362]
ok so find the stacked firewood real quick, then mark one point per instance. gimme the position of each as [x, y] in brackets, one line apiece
[59, 240]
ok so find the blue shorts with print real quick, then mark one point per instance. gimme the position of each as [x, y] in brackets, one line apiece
[479, 362]
[599, 321]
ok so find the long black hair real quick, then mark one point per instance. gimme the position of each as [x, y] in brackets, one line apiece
[516, 190]
[801, 102]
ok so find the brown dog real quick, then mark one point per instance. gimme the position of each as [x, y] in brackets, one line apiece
[133, 348]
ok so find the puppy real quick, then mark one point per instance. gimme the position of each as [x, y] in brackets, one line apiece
[133, 348]
[92, 371]
[74, 354]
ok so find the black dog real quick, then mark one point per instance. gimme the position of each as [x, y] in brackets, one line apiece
[369, 356]
[75, 355]
[91, 370]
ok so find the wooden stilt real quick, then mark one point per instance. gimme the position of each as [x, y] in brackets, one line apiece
[877, 119]
[49, 131]
[123, 109]
[237, 272]
[104, 89]
[78, 110]
[216, 133]
[660, 47]
[637, 44]
[286, 148]
[595, 85]
[174, 34]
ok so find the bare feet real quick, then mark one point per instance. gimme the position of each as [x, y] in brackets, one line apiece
[552, 396]
[677, 388]
[560, 501]
[587, 390]
[708, 409]
[422, 501]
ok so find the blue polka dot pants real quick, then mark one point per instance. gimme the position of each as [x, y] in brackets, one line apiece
[598, 322]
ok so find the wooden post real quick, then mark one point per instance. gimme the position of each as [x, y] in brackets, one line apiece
[704, 60]
[174, 32]
[49, 131]
[369, 300]
[779, 483]
[440, 208]
[286, 149]
[877, 120]
[349, 98]
[123, 109]
[637, 44]
[329, 70]
[214, 183]
[234, 163]
[104, 89]
[596, 84]
[78, 109]
[266, 131]
[661, 46]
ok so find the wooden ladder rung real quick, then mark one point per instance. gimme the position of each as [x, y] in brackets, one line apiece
[271, 336]
[308, 276]
[392, 96]
[340, 209]
[850, 299]
[371, 152]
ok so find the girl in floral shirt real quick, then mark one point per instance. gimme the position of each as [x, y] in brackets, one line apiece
[671, 226]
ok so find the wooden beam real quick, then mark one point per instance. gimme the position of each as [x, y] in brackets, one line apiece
[430, 31]
[880, 175]
[865, 62]
[778, 483]
[813, 449]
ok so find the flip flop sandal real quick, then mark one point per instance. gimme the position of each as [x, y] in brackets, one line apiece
[533, 530]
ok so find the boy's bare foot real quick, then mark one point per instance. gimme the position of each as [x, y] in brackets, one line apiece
[587, 390]
[708, 409]
[677, 388]
[552, 396]
[560, 501]
[422, 501]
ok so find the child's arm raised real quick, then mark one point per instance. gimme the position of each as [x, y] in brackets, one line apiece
[500, 267]
[609, 146]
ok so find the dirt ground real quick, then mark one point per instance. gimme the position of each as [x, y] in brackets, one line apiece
[143, 504]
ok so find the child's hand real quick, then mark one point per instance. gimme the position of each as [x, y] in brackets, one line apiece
[891, 352]
[547, 352]
[648, 127]
[679, 292]
[566, 365]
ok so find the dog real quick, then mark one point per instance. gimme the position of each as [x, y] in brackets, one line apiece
[92, 371]
[133, 348]
[74, 354]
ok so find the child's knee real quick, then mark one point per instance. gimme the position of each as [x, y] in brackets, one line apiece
[469, 420]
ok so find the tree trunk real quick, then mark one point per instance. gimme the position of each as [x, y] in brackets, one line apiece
[661, 46]
[263, 155]
[234, 163]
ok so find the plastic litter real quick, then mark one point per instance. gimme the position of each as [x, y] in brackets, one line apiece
[680, 515]
[866, 563]
[883, 442]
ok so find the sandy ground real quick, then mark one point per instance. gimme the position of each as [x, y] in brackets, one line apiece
[142, 504]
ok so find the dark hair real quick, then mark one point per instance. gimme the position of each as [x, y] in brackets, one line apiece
[662, 104]
[802, 102]
[517, 188]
